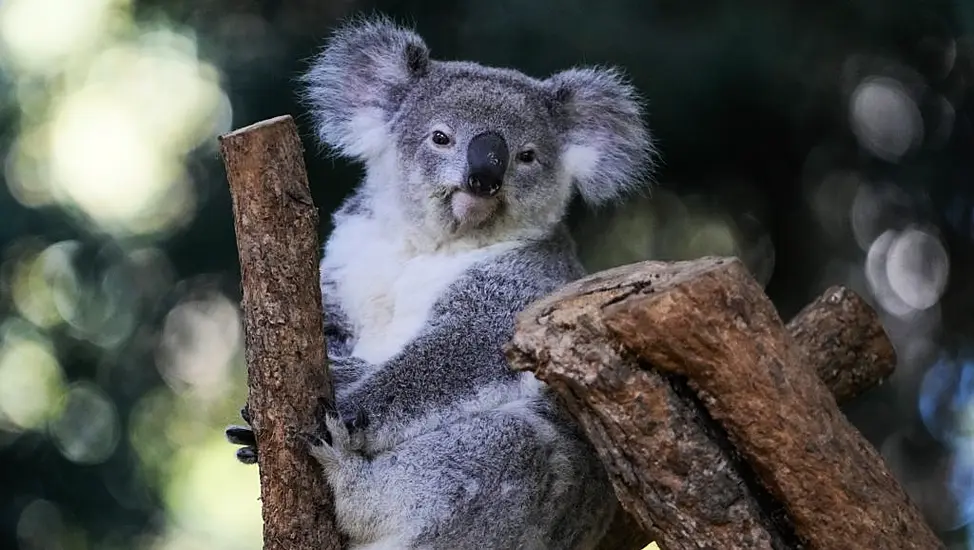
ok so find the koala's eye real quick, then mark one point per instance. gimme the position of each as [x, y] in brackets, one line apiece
[440, 138]
[527, 156]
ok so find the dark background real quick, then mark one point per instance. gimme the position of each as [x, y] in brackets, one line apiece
[824, 143]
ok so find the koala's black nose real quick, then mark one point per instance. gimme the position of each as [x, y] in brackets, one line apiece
[487, 157]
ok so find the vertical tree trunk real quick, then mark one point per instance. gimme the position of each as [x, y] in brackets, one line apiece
[277, 238]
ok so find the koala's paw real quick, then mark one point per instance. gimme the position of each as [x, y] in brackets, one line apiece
[339, 436]
[243, 435]
[332, 445]
[356, 425]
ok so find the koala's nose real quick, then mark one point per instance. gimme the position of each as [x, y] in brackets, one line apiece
[487, 157]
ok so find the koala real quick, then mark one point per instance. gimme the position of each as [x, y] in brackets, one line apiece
[457, 225]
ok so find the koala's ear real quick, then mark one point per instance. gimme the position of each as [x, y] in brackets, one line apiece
[608, 149]
[358, 81]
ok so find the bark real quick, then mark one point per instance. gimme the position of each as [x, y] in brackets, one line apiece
[844, 343]
[710, 419]
[277, 238]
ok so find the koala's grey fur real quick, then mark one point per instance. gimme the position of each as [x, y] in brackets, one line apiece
[439, 444]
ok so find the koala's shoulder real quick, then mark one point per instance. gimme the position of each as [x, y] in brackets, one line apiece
[523, 274]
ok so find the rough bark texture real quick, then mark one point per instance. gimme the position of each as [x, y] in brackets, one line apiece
[715, 432]
[844, 342]
[277, 238]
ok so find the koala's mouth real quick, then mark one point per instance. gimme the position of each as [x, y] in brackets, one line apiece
[469, 210]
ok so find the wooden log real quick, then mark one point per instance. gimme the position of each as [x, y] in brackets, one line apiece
[277, 238]
[626, 349]
[844, 343]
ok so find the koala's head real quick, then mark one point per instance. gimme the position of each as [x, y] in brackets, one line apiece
[462, 149]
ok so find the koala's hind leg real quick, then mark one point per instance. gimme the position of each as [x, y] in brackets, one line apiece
[498, 480]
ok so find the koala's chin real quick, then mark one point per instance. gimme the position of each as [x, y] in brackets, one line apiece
[471, 212]
[450, 213]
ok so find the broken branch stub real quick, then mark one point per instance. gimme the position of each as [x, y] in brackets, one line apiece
[754, 454]
[844, 343]
[276, 226]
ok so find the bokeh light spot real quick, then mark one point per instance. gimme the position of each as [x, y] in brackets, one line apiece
[110, 145]
[31, 379]
[44, 285]
[831, 200]
[877, 276]
[945, 393]
[40, 525]
[884, 118]
[25, 172]
[199, 341]
[87, 431]
[917, 268]
[713, 237]
[960, 482]
[148, 421]
[70, 27]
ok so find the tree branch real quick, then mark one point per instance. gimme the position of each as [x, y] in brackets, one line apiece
[277, 226]
[714, 431]
[844, 343]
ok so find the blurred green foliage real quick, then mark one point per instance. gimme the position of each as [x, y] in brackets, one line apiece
[823, 143]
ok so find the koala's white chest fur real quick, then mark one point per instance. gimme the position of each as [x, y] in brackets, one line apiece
[386, 287]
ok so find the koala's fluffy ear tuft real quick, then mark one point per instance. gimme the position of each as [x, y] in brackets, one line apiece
[358, 81]
[608, 149]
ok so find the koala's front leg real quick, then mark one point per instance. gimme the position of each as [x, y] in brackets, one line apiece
[346, 426]
[345, 371]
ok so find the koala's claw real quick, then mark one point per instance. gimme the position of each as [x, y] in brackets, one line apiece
[323, 409]
[331, 444]
[329, 424]
[247, 455]
[313, 440]
[357, 422]
[241, 435]
[329, 416]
